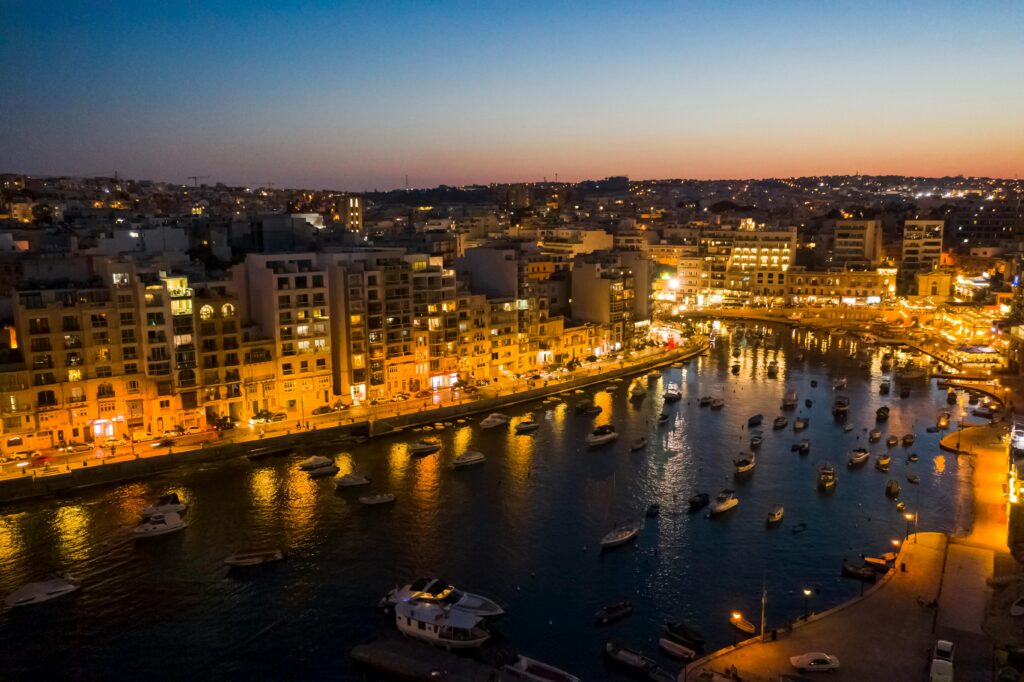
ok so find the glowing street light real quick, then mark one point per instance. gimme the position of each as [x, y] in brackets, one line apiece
[807, 596]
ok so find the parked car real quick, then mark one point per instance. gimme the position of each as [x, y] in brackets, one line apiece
[171, 433]
[261, 417]
[424, 394]
[142, 436]
[323, 409]
[72, 447]
[113, 443]
[162, 443]
[192, 430]
[944, 650]
[278, 417]
[814, 661]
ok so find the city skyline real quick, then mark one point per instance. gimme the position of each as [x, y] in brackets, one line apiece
[459, 94]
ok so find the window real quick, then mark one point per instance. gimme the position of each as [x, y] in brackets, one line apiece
[286, 369]
[165, 404]
[131, 368]
[132, 386]
[127, 318]
[206, 312]
[74, 375]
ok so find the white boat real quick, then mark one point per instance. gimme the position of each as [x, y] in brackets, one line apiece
[847, 428]
[531, 669]
[163, 505]
[254, 556]
[352, 480]
[493, 420]
[447, 595]
[725, 501]
[717, 404]
[602, 435]
[42, 591]
[315, 462]
[789, 400]
[421, 448]
[874, 436]
[745, 463]
[620, 535]
[159, 524]
[433, 623]
[672, 395]
[837, 332]
[326, 470]
[376, 499]
[527, 426]
[468, 458]
[675, 649]
[858, 457]
[839, 384]
[800, 423]
[639, 444]
[775, 514]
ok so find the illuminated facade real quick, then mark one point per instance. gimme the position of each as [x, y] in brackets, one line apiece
[837, 286]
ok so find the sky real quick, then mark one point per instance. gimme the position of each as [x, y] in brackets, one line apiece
[357, 96]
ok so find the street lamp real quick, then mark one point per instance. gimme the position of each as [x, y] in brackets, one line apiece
[736, 618]
[807, 596]
[908, 516]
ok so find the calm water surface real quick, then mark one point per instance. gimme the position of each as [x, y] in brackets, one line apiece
[523, 527]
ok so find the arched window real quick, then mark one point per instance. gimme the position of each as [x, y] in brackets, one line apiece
[206, 312]
[227, 310]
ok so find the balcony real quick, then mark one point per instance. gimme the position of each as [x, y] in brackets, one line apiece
[39, 329]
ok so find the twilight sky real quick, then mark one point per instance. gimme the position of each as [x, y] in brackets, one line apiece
[355, 96]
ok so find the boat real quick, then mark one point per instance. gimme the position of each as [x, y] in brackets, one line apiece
[613, 612]
[745, 463]
[859, 572]
[431, 622]
[882, 462]
[468, 458]
[735, 368]
[932, 429]
[913, 478]
[159, 524]
[789, 401]
[892, 488]
[800, 423]
[672, 395]
[827, 478]
[593, 411]
[839, 384]
[858, 457]
[163, 505]
[705, 400]
[972, 398]
[901, 505]
[527, 426]
[912, 457]
[42, 591]
[881, 564]
[653, 509]
[773, 369]
[908, 440]
[329, 469]
[494, 420]
[377, 499]
[636, 391]
[847, 428]
[755, 420]
[679, 631]
[775, 514]
[254, 556]
[611, 388]
[780, 423]
[315, 462]
[422, 448]
[874, 436]
[814, 383]
[910, 372]
[951, 397]
[602, 435]
[352, 480]
[808, 403]
[526, 668]
[445, 594]
[943, 421]
[840, 407]
[620, 535]
[741, 624]
[270, 451]
[676, 649]
[583, 405]
[892, 441]
[639, 444]
[882, 413]
[717, 404]
[804, 446]
[629, 658]
[837, 332]
[884, 386]
[799, 528]
[663, 418]
[725, 501]
[755, 442]
[698, 501]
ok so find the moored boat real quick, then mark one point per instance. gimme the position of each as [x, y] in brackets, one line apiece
[755, 420]
[859, 572]
[422, 448]
[913, 478]
[676, 649]
[431, 622]
[494, 420]
[254, 556]
[892, 441]
[827, 477]
[527, 426]
[663, 418]
[705, 400]
[755, 442]
[725, 501]
[740, 623]
[377, 499]
[745, 462]
[882, 413]
[636, 391]
[531, 669]
[602, 435]
[882, 462]
[892, 488]
[639, 444]
[840, 407]
[717, 404]
[672, 395]
[611, 613]
[874, 436]
[352, 480]
[908, 440]
[468, 458]
[698, 501]
[839, 384]
[775, 514]
[680, 631]
[445, 594]
[773, 369]
[164, 504]
[789, 401]
[315, 462]
[800, 423]
[780, 423]
[159, 524]
[808, 403]
[42, 591]
[883, 387]
[858, 457]
[326, 470]
[620, 535]
[804, 446]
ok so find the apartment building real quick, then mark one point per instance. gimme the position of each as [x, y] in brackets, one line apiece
[745, 265]
[837, 286]
[922, 246]
[856, 243]
[602, 293]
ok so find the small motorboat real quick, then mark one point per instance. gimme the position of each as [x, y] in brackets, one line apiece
[422, 448]
[913, 478]
[800, 423]
[892, 488]
[789, 401]
[736, 368]
[42, 591]
[159, 524]
[908, 440]
[611, 388]
[533, 670]
[804, 446]
[745, 463]
[972, 398]
[859, 572]
[826, 478]
[858, 457]
[527, 426]
[583, 405]
[892, 441]
[315, 462]
[840, 407]
[494, 420]
[630, 659]
[620, 535]
[901, 505]
[775, 514]
[639, 444]
[705, 400]
[725, 501]
[664, 418]
[254, 556]
[653, 509]
[328, 469]
[717, 404]
[613, 612]
[352, 480]
[755, 442]
[814, 383]
[773, 369]
[912, 457]
[676, 649]
[874, 436]
[679, 631]
[799, 528]
[839, 384]
[882, 462]
[882, 413]
[163, 505]
[905, 392]
[593, 410]
[654, 374]
[672, 395]
[377, 499]
[699, 501]
[780, 423]
[883, 388]
[808, 403]
[847, 428]
[881, 564]
[468, 458]
[755, 420]
[602, 435]
[737, 621]
[951, 397]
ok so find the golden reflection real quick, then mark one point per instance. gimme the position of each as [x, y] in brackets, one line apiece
[426, 476]
[940, 464]
[398, 460]
[300, 498]
[345, 464]
[72, 524]
[10, 538]
[263, 486]
[603, 399]
[520, 457]
[460, 441]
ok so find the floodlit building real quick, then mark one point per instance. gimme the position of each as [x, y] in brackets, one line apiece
[922, 245]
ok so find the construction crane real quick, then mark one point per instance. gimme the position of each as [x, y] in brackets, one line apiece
[196, 178]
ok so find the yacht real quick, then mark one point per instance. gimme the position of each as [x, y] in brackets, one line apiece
[882, 413]
[745, 463]
[636, 391]
[159, 524]
[431, 622]
[789, 401]
[376, 499]
[44, 590]
[315, 462]
[672, 395]
[827, 477]
[445, 594]
[493, 420]
[602, 435]
[328, 469]
[527, 426]
[882, 462]
[773, 369]
[717, 404]
[531, 669]
[620, 535]
[800, 423]
[874, 436]
[858, 457]
[775, 514]
[352, 480]
[883, 388]
[254, 557]
[164, 504]
[839, 384]
[725, 501]
[421, 448]
[780, 423]
[468, 458]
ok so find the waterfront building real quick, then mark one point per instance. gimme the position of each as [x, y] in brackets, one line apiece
[602, 293]
[922, 246]
[746, 265]
[837, 286]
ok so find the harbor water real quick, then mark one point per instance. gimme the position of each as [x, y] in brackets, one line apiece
[523, 528]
